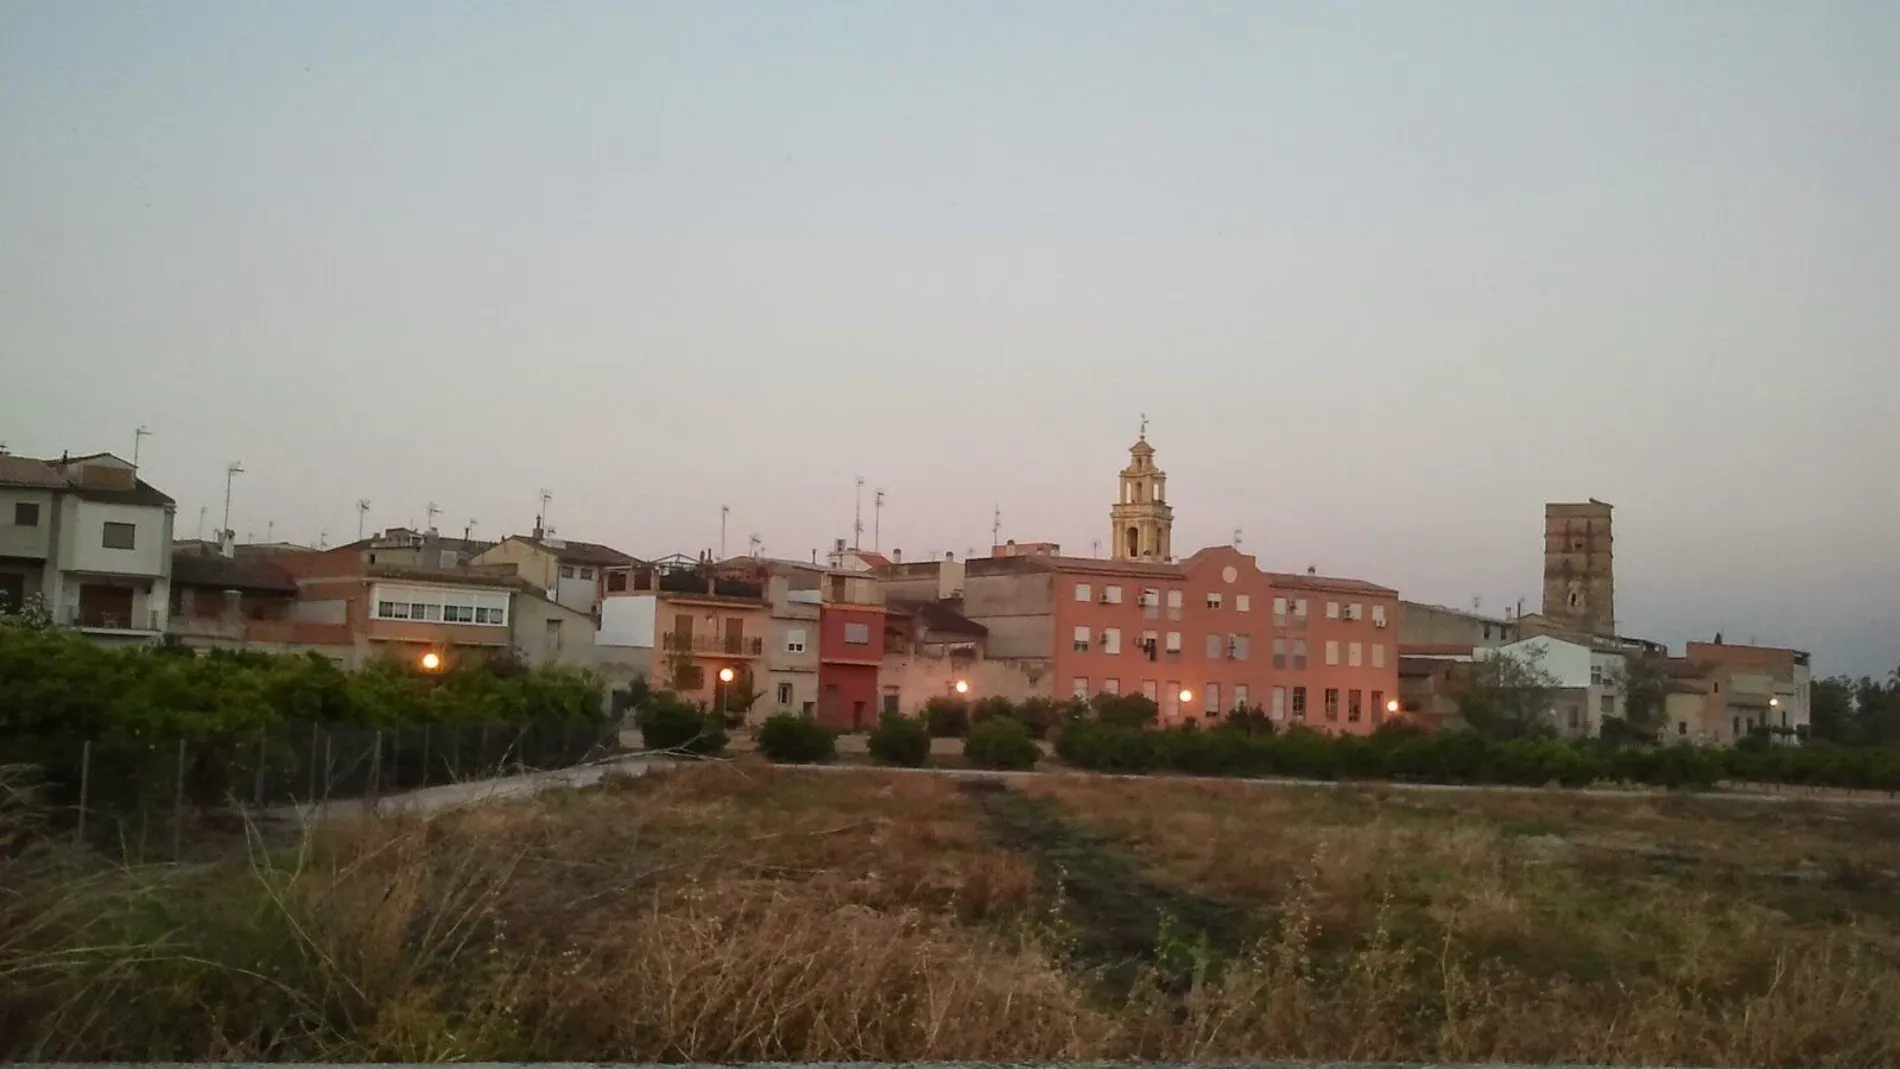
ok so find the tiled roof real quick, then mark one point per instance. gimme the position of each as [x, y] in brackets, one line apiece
[25, 471]
[571, 551]
[438, 575]
[143, 493]
[1302, 581]
[938, 617]
[1436, 649]
[191, 568]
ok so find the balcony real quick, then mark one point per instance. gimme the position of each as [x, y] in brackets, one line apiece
[712, 645]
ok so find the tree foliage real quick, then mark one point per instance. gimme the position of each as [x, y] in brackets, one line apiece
[1507, 695]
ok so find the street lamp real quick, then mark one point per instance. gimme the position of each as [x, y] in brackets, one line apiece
[962, 687]
[1773, 704]
[1392, 706]
[725, 677]
[431, 661]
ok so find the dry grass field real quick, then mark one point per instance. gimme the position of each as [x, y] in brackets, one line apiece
[738, 911]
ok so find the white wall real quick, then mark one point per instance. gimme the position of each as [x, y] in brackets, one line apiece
[578, 594]
[627, 620]
[82, 538]
[1568, 662]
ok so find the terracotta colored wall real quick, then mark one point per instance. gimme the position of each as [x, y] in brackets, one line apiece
[1206, 572]
[1318, 676]
[847, 672]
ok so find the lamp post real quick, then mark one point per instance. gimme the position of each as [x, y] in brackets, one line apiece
[431, 661]
[1186, 697]
[725, 678]
[961, 687]
[1774, 704]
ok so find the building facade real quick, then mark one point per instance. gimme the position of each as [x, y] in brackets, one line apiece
[682, 625]
[850, 651]
[573, 574]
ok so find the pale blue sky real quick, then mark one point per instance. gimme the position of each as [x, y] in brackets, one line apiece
[1385, 277]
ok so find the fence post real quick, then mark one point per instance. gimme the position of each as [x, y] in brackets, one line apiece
[85, 789]
[178, 806]
[310, 755]
[376, 772]
[329, 771]
[257, 788]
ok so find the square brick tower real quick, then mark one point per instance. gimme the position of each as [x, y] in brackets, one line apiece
[1579, 577]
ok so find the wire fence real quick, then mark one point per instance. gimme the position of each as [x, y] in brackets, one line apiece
[155, 799]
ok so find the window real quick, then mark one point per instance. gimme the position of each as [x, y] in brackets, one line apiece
[1081, 639]
[1213, 600]
[1174, 642]
[1378, 655]
[857, 634]
[1354, 710]
[119, 535]
[1081, 592]
[26, 514]
[1279, 611]
[1279, 653]
[1378, 706]
[1332, 652]
[1299, 703]
[1170, 699]
[567, 571]
[616, 580]
[1215, 646]
[1150, 597]
[1174, 599]
[1575, 717]
[1299, 653]
[419, 611]
[1596, 675]
[1111, 640]
[1332, 610]
[1278, 711]
[1378, 616]
[1682, 727]
[1299, 612]
[1355, 655]
[807, 709]
[890, 701]
[1241, 646]
[1243, 603]
[1148, 640]
[785, 694]
[1355, 611]
[1079, 687]
[1112, 595]
[1332, 703]
[692, 677]
[587, 573]
[1111, 686]
[795, 640]
[1148, 689]
[1607, 705]
[1210, 703]
[392, 610]
[1240, 695]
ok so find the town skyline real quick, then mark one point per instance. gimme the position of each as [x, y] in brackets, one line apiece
[1384, 286]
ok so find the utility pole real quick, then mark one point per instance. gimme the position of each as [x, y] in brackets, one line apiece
[138, 437]
[234, 470]
[541, 517]
[877, 521]
[857, 516]
[362, 510]
[201, 523]
[724, 511]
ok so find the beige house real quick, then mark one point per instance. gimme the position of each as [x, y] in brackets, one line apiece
[91, 539]
[573, 574]
[1719, 693]
[794, 594]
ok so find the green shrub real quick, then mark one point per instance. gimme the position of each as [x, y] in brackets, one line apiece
[1042, 715]
[669, 724]
[947, 718]
[1001, 743]
[1125, 710]
[792, 739]
[900, 740]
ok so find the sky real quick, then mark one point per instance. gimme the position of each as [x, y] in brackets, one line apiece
[1383, 277]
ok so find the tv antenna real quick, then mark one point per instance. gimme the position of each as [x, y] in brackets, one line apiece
[877, 521]
[139, 436]
[996, 526]
[234, 470]
[362, 510]
[857, 516]
[429, 513]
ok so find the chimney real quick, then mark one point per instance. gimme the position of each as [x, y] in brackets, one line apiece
[897, 556]
[227, 543]
[1310, 570]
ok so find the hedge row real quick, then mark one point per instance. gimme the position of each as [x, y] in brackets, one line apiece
[56, 683]
[1407, 755]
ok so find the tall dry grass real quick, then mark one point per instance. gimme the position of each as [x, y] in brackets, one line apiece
[737, 913]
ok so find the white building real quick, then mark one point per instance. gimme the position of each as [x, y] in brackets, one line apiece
[91, 539]
[1588, 684]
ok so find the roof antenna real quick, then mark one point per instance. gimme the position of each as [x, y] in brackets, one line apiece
[138, 436]
[996, 527]
[1236, 538]
[468, 533]
[857, 516]
[877, 520]
[723, 511]
[430, 513]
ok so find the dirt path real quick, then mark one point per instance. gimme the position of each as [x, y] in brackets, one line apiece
[1123, 920]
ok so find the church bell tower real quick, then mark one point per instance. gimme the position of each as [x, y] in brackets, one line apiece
[1141, 522]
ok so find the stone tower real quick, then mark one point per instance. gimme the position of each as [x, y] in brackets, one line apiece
[1141, 525]
[1579, 578]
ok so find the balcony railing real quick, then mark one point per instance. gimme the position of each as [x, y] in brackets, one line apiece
[717, 645]
[109, 620]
